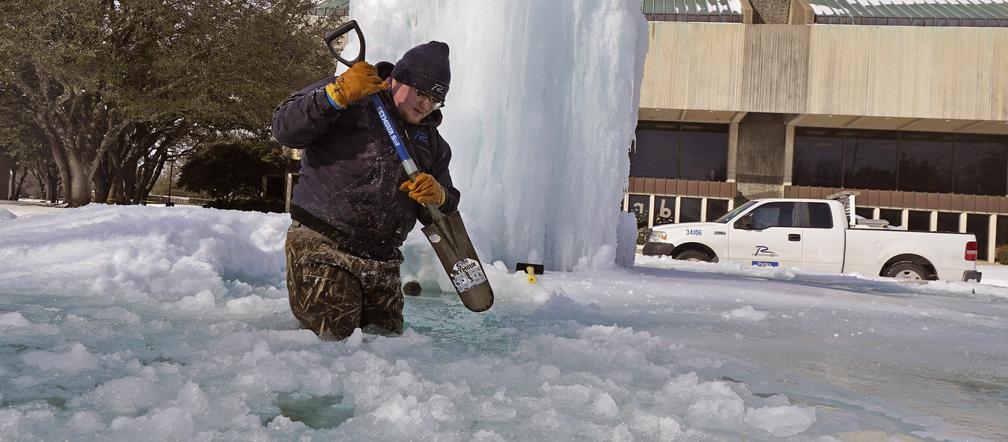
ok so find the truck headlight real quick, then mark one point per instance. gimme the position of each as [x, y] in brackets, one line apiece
[658, 236]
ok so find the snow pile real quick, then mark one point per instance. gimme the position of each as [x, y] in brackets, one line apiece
[140, 252]
[6, 214]
[204, 347]
[541, 112]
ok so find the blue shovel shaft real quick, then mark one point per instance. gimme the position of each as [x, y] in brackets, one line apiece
[400, 147]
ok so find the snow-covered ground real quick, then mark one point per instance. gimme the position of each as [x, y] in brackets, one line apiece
[137, 323]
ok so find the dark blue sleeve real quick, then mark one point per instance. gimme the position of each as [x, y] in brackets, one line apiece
[442, 156]
[305, 116]
[440, 172]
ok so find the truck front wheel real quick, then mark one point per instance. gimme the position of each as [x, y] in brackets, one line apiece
[907, 270]
[693, 255]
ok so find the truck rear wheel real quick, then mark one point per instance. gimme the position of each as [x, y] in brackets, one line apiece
[693, 255]
[907, 270]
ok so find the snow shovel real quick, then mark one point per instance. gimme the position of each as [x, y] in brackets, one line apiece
[447, 234]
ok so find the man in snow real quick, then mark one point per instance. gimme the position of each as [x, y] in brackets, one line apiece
[354, 205]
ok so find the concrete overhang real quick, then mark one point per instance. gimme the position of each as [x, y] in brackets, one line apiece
[901, 123]
[690, 115]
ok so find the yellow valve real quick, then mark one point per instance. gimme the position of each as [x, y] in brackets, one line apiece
[530, 270]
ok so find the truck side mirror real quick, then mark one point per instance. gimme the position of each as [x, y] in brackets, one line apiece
[744, 223]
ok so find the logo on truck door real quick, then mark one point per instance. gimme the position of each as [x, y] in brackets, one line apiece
[764, 251]
[766, 264]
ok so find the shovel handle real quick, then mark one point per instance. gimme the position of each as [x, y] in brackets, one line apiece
[394, 134]
[347, 27]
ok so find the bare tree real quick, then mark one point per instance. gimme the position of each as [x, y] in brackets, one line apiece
[109, 86]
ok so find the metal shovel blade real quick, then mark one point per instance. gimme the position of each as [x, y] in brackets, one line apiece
[451, 242]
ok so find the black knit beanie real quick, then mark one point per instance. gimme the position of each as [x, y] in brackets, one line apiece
[425, 67]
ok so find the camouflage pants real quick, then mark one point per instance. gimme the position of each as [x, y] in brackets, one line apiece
[331, 292]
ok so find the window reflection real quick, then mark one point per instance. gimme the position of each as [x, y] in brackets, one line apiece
[716, 208]
[689, 210]
[980, 163]
[703, 152]
[925, 162]
[907, 161]
[653, 154]
[640, 206]
[820, 216]
[777, 214]
[894, 216]
[818, 157]
[948, 222]
[870, 160]
[919, 221]
[680, 150]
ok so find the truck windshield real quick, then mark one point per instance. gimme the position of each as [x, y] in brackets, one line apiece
[728, 216]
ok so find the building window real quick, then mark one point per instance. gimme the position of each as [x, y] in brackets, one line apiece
[703, 152]
[655, 153]
[870, 160]
[906, 161]
[894, 216]
[664, 210]
[948, 222]
[1001, 239]
[925, 163]
[919, 221]
[640, 206]
[680, 151]
[818, 157]
[980, 162]
[689, 210]
[716, 209]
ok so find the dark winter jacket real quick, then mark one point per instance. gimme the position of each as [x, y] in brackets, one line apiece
[350, 173]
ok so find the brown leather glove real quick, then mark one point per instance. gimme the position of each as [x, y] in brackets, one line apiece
[425, 190]
[357, 82]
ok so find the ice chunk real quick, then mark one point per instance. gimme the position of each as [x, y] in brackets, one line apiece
[781, 421]
[73, 361]
[605, 406]
[200, 302]
[13, 319]
[746, 313]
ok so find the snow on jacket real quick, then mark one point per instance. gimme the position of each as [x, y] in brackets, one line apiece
[350, 173]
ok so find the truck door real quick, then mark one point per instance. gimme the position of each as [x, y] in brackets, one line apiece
[768, 236]
[822, 242]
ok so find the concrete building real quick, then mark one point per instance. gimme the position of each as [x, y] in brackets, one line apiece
[326, 7]
[908, 103]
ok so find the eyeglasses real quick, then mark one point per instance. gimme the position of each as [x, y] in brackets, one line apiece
[434, 102]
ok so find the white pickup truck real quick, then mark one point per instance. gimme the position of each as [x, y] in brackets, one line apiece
[819, 235]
